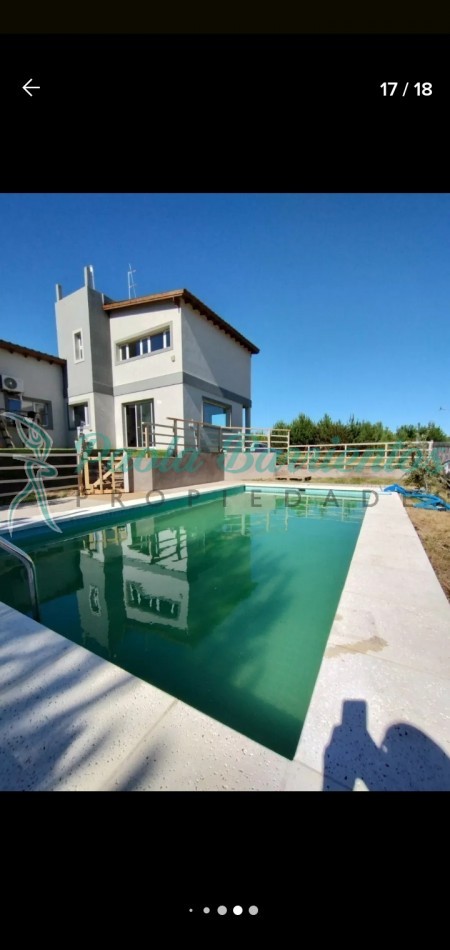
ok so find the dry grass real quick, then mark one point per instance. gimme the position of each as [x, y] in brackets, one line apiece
[433, 528]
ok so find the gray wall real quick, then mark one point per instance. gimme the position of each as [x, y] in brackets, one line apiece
[104, 419]
[102, 370]
[210, 354]
[83, 310]
[208, 469]
[72, 313]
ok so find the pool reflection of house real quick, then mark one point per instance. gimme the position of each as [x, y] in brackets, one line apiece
[139, 576]
[102, 614]
[155, 583]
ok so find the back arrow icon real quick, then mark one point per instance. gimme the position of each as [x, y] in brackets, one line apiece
[27, 87]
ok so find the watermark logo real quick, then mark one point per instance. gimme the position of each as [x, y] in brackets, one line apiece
[33, 437]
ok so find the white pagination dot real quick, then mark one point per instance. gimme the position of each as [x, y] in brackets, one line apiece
[206, 910]
[221, 910]
[237, 909]
[253, 910]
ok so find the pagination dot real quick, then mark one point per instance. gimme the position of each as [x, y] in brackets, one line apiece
[253, 910]
[221, 910]
[237, 909]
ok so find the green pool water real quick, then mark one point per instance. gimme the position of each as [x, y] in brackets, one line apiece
[226, 604]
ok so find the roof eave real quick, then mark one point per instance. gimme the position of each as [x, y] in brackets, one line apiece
[195, 303]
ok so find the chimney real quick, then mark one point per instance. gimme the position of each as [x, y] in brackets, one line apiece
[59, 292]
[89, 277]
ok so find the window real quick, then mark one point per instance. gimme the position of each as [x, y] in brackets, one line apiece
[139, 424]
[13, 404]
[39, 410]
[216, 414]
[78, 346]
[151, 343]
[79, 416]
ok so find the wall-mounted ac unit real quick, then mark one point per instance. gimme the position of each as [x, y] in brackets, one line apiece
[11, 384]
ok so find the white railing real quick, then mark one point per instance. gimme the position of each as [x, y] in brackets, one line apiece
[206, 437]
[357, 455]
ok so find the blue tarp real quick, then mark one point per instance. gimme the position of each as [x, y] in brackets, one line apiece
[428, 501]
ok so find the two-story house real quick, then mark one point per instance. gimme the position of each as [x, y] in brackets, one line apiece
[135, 363]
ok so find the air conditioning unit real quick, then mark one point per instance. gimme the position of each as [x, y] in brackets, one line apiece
[11, 384]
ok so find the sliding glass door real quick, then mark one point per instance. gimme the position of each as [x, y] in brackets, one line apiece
[139, 424]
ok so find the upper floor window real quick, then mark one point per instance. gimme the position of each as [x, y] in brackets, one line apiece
[78, 346]
[150, 343]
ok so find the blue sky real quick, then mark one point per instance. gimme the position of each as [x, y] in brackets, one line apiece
[347, 295]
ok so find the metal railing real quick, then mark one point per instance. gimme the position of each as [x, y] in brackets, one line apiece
[104, 469]
[358, 455]
[28, 564]
[206, 437]
[13, 476]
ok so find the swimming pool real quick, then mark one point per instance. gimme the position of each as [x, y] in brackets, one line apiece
[224, 600]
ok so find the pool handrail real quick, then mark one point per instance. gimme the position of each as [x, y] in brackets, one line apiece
[31, 573]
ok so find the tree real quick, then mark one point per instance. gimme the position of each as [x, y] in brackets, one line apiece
[303, 430]
[375, 432]
[329, 431]
[421, 433]
[406, 433]
[434, 432]
[353, 429]
[281, 425]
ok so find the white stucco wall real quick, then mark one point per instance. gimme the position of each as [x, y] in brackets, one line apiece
[208, 353]
[131, 324]
[42, 380]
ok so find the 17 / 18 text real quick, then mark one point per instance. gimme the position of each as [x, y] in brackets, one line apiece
[421, 88]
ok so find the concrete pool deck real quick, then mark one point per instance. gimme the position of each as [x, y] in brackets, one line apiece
[378, 718]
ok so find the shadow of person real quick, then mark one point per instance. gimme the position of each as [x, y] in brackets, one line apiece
[406, 760]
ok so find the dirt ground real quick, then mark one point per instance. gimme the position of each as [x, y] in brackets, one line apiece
[433, 528]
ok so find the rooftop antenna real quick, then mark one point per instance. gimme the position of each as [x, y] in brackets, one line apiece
[131, 283]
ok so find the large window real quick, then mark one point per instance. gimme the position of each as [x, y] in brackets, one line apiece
[139, 424]
[78, 346]
[151, 343]
[39, 410]
[216, 414]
